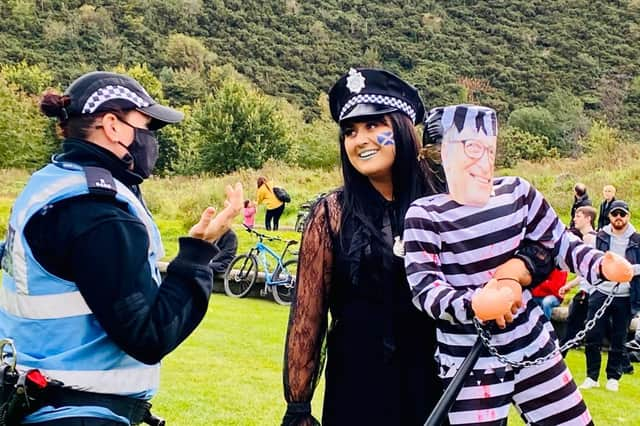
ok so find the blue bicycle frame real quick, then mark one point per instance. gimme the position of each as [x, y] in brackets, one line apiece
[262, 255]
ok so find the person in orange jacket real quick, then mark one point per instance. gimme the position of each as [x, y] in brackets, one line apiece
[275, 207]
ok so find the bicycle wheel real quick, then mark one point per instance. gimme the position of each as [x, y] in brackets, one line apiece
[240, 275]
[285, 276]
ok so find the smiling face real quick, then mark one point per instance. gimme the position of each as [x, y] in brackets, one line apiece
[370, 147]
[468, 159]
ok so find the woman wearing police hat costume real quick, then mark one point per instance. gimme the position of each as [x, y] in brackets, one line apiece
[81, 295]
[380, 366]
[380, 350]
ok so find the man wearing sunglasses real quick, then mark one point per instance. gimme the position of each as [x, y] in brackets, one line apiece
[621, 238]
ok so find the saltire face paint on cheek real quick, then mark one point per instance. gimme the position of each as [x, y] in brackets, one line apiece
[385, 138]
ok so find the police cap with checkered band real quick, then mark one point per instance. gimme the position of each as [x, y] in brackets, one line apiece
[101, 91]
[365, 92]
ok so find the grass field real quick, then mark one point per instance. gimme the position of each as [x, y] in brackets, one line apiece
[229, 372]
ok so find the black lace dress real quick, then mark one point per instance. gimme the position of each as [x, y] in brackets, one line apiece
[380, 349]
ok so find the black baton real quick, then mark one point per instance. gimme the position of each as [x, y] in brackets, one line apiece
[440, 411]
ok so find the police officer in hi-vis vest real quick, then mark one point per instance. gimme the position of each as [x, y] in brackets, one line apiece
[81, 296]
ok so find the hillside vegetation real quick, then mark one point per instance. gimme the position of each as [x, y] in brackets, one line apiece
[295, 49]
[252, 75]
[176, 202]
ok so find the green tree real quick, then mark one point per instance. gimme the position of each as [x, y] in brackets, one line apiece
[515, 144]
[313, 144]
[32, 79]
[567, 111]
[237, 127]
[602, 139]
[178, 155]
[631, 107]
[25, 134]
[540, 122]
[145, 77]
[184, 51]
[183, 86]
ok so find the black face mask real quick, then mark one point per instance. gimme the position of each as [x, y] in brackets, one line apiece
[144, 150]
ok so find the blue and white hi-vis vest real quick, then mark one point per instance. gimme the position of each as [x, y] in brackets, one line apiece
[52, 327]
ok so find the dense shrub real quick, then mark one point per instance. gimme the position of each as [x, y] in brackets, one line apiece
[601, 139]
[31, 79]
[237, 127]
[515, 144]
[26, 138]
[537, 121]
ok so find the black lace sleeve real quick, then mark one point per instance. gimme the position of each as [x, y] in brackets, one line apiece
[303, 357]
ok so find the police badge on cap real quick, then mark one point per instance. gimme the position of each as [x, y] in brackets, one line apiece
[364, 92]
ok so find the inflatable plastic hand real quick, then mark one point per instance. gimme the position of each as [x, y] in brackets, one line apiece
[616, 268]
[513, 268]
[496, 301]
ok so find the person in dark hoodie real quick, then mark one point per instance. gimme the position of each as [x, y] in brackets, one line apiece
[580, 198]
[81, 295]
[621, 238]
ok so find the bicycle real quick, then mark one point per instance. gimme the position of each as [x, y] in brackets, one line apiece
[304, 210]
[242, 272]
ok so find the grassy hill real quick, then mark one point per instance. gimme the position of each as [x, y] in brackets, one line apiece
[521, 49]
[177, 202]
[229, 371]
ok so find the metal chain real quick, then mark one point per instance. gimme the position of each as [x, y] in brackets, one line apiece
[485, 336]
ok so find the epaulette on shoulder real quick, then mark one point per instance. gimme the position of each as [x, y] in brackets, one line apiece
[100, 181]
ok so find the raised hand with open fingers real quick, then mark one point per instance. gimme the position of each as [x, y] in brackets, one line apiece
[211, 225]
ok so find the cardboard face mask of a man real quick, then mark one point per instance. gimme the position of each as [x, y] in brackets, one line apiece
[469, 152]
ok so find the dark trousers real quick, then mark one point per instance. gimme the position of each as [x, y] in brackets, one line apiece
[275, 216]
[576, 317]
[619, 313]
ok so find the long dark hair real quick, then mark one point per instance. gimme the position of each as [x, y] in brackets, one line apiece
[408, 178]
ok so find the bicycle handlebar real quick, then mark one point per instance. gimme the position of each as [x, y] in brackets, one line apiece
[269, 237]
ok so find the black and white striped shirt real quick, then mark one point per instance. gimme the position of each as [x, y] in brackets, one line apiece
[452, 250]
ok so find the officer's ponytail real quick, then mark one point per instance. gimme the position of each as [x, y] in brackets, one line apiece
[53, 104]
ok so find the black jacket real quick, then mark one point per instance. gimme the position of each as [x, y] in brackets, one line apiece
[228, 247]
[95, 242]
[603, 216]
[632, 254]
[578, 202]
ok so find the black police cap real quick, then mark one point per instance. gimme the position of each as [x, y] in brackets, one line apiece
[99, 91]
[363, 92]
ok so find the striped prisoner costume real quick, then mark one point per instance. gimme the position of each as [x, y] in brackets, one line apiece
[452, 250]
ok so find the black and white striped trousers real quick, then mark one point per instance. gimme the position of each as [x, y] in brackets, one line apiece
[544, 394]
